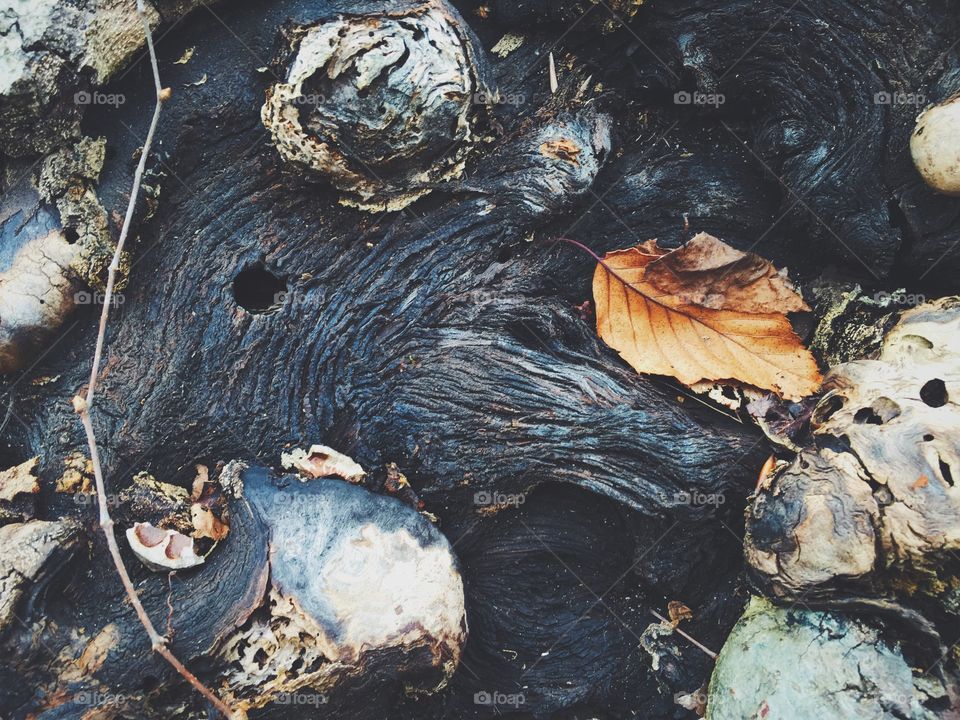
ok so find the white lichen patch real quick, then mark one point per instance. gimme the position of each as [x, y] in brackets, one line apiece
[507, 44]
[23, 25]
[386, 590]
[378, 106]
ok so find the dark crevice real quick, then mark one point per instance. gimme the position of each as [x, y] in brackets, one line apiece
[827, 408]
[945, 471]
[867, 416]
[934, 393]
[905, 250]
[257, 290]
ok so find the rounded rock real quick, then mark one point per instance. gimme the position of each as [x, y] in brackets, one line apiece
[787, 663]
[361, 586]
[935, 146]
[37, 289]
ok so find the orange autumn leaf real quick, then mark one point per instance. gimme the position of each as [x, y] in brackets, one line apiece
[704, 311]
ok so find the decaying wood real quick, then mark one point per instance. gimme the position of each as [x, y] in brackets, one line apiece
[83, 405]
[866, 517]
[444, 341]
[876, 498]
[383, 106]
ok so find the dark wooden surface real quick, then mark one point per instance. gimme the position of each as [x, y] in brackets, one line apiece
[445, 338]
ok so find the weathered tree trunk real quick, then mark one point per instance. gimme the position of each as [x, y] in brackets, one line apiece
[260, 312]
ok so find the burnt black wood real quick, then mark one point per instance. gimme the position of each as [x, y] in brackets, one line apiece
[446, 339]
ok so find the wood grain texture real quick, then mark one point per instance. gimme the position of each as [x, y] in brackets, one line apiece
[442, 339]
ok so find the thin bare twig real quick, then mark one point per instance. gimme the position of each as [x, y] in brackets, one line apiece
[681, 633]
[83, 405]
[168, 633]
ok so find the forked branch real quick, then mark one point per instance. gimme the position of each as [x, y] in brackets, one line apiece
[83, 405]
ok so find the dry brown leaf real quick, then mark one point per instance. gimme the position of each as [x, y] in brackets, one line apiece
[661, 333]
[678, 612]
[709, 273]
[208, 508]
[206, 524]
[199, 482]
